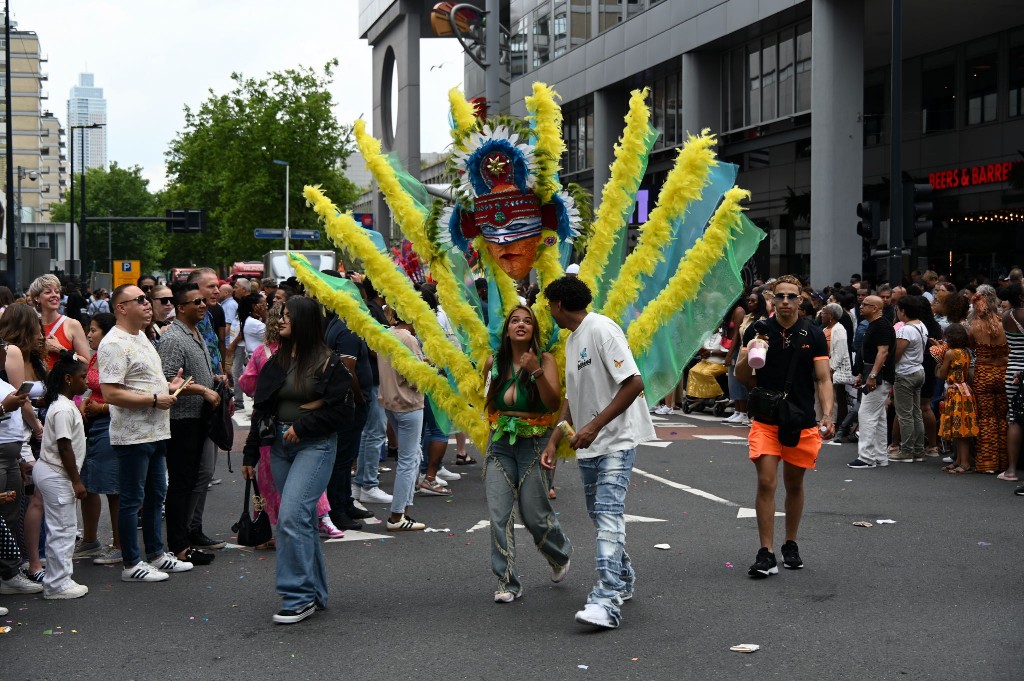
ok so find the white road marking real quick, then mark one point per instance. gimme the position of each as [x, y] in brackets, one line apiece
[675, 425]
[641, 519]
[487, 523]
[656, 443]
[686, 488]
[751, 513]
[353, 535]
[721, 437]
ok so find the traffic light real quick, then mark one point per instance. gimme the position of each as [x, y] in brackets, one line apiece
[917, 211]
[869, 227]
[185, 221]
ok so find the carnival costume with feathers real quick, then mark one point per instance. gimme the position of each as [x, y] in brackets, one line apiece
[669, 294]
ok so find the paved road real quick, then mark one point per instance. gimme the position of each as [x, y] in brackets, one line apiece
[935, 595]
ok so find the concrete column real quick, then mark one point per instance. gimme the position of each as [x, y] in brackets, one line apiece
[837, 138]
[609, 109]
[701, 95]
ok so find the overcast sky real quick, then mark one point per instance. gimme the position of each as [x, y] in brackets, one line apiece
[151, 58]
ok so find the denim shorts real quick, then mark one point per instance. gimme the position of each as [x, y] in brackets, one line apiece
[431, 432]
[101, 468]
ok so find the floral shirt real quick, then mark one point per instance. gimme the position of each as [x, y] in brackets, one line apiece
[212, 342]
[131, 361]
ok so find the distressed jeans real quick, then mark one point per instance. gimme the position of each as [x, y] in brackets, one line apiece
[605, 482]
[511, 472]
[301, 472]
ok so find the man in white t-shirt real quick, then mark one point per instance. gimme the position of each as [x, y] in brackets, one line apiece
[140, 425]
[603, 390]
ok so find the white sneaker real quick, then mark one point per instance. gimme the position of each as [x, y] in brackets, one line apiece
[19, 584]
[445, 474]
[143, 572]
[663, 410]
[170, 563]
[735, 418]
[76, 590]
[3, 611]
[744, 420]
[374, 495]
[559, 573]
[356, 489]
[404, 524]
[594, 615]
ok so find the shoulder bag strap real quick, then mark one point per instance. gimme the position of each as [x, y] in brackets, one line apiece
[248, 490]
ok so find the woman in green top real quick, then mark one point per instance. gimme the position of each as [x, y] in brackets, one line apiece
[522, 398]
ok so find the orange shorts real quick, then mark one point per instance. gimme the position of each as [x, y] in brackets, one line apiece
[764, 440]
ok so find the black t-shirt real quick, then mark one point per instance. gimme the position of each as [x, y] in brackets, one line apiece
[343, 341]
[804, 338]
[217, 318]
[879, 335]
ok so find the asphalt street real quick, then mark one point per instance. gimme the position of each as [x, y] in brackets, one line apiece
[935, 594]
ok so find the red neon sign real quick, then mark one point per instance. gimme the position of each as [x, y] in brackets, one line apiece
[968, 177]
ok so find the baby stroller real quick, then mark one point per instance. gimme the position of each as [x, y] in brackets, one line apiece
[707, 382]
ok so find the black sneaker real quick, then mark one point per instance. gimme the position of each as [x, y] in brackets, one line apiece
[357, 513]
[1019, 491]
[343, 522]
[764, 565]
[861, 463]
[199, 540]
[791, 556]
[293, 616]
[197, 557]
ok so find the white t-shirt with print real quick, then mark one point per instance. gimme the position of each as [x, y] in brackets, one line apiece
[912, 359]
[63, 420]
[133, 362]
[597, 361]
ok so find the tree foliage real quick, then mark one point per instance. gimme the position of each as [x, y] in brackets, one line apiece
[117, 192]
[223, 162]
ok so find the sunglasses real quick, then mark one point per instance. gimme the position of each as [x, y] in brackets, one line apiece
[197, 302]
[169, 300]
[141, 300]
[147, 289]
[788, 296]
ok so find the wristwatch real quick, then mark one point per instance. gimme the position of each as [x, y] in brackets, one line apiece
[872, 376]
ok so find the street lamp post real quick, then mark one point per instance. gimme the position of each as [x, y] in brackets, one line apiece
[71, 200]
[16, 232]
[287, 187]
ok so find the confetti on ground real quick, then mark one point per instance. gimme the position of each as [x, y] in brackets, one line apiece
[984, 543]
[885, 521]
[862, 523]
[438, 529]
[583, 666]
[5, 630]
[728, 564]
[634, 659]
[47, 632]
[663, 547]
[745, 648]
[847, 480]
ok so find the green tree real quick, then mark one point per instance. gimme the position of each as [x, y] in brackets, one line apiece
[117, 192]
[223, 162]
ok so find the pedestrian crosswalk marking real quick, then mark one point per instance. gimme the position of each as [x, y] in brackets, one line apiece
[751, 513]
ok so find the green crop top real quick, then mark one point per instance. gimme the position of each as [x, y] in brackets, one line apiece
[522, 402]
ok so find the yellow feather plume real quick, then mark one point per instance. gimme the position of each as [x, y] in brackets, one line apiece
[462, 315]
[683, 185]
[463, 115]
[397, 290]
[380, 340]
[546, 116]
[618, 192]
[685, 284]
[548, 269]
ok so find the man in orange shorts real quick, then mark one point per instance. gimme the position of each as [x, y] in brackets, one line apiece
[796, 364]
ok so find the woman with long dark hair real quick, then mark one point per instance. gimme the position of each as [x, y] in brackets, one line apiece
[522, 398]
[302, 396]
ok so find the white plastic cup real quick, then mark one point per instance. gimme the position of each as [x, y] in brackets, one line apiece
[757, 351]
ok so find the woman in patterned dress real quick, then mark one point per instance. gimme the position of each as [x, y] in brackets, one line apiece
[990, 352]
[959, 423]
[1013, 325]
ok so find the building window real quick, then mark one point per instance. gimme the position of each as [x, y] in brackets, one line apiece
[786, 73]
[578, 133]
[609, 15]
[803, 67]
[938, 94]
[518, 48]
[579, 22]
[980, 77]
[658, 111]
[633, 7]
[753, 84]
[541, 38]
[874, 105]
[768, 79]
[735, 90]
[561, 30]
[1017, 81]
[673, 111]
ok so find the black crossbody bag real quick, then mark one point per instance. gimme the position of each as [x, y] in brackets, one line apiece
[773, 406]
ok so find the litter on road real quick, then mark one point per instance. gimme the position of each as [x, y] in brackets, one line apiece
[745, 648]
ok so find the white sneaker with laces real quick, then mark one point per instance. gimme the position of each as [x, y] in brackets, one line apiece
[170, 563]
[662, 410]
[448, 475]
[594, 615]
[374, 495]
[76, 590]
[19, 584]
[143, 572]
[734, 418]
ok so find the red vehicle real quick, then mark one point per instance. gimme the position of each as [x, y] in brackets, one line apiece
[180, 274]
[249, 270]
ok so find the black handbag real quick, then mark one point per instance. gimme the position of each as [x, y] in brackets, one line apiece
[253, 531]
[219, 426]
[774, 408]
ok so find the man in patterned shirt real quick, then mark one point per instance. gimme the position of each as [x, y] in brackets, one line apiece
[139, 397]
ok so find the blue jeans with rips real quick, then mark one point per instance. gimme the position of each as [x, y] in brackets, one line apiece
[301, 472]
[605, 482]
[142, 481]
[375, 434]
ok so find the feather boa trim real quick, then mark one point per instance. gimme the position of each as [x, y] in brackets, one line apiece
[464, 118]
[545, 118]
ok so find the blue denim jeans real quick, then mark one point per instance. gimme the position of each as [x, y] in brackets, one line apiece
[605, 482]
[408, 427]
[375, 434]
[142, 481]
[301, 472]
[513, 472]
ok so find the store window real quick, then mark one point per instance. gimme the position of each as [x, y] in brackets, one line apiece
[938, 93]
[786, 72]
[980, 83]
[1016, 81]
[803, 67]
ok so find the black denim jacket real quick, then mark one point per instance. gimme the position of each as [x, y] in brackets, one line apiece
[334, 387]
